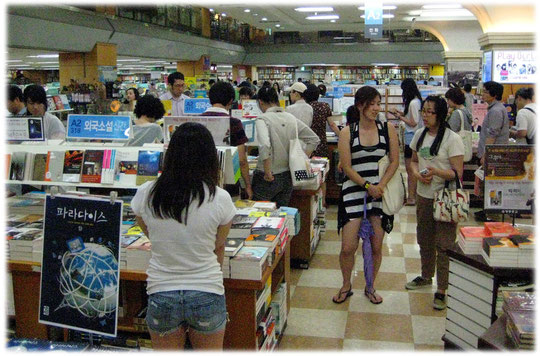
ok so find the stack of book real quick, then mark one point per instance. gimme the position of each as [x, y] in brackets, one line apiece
[511, 288]
[23, 245]
[139, 321]
[279, 307]
[500, 252]
[520, 328]
[233, 245]
[241, 226]
[470, 239]
[500, 229]
[126, 239]
[249, 263]
[525, 244]
[269, 232]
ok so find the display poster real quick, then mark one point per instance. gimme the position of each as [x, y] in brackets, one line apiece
[509, 178]
[464, 77]
[486, 66]
[200, 93]
[107, 74]
[79, 270]
[99, 127]
[249, 129]
[219, 127]
[479, 112]
[250, 108]
[514, 67]
[196, 106]
[24, 128]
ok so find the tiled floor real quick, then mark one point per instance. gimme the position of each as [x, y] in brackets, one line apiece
[405, 320]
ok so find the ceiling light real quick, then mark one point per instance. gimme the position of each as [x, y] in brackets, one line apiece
[385, 7]
[415, 12]
[323, 17]
[14, 60]
[211, 10]
[442, 6]
[223, 14]
[44, 56]
[247, 10]
[332, 20]
[18, 65]
[128, 60]
[156, 62]
[255, 14]
[264, 19]
[45, 62]
[446, 13]
[314, 9]
[344, 38]
[278, 25]
[385, 16]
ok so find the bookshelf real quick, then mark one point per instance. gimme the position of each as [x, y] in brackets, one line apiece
[283, 75]
[241, 296]
[361, 74]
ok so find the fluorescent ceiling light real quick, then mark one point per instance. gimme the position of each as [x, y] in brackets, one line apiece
[156, 62]
[223, 14]
[45, 62]
[442, 6]
[323, 17]
[247, 10]
[14, 60]
[278, 25]
[384, 64]
[44, 56]
[446, 13]
[255, 14]
[332, 20]
[385, 16]
[343, 38]
[314, 9]
[415, 12]
[264, 19]
[385, 7]
[211, 10]
[128, 60]
[18, 65]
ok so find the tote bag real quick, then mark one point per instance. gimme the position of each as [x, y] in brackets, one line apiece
[451, 205]
[394, 193]
[299, 164]
[466, 137]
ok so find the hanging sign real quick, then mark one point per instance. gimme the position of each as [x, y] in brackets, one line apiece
[21, 128]
[98, 127]
[509, 178]
[196, 106]
[80, 271]
[373, 19]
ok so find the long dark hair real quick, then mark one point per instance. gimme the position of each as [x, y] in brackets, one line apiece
[135, 91]
[365, 94]
[441, 110]
[410, 92]
[190, 162]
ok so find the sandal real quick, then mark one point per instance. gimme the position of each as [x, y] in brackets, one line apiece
[372, 297]
[347, 293]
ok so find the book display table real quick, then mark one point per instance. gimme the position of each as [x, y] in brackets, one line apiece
[241, 296]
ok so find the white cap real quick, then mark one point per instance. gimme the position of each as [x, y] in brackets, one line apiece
[299, 87]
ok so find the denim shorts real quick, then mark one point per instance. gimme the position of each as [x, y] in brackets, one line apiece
[202, 311]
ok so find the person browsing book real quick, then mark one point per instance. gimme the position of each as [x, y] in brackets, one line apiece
[187, 218]
[221, 97]
[147, 110]
[15, 104]
[175, 94]
[35, 99]
[437, 156]
[299, 108]
[275, 128]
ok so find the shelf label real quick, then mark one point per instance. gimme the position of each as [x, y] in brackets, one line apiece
[25, 128]
[196, 106]
[99, 127]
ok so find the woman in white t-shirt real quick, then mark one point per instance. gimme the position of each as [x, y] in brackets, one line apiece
[437, 156]
[187, 218]
[412, 101]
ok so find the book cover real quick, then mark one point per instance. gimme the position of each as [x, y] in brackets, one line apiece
[523, 241]
[58, 103]
[499, 244]
[518, 301]
[268, 225]
[93, 163]
[72, 166]
[40, 164]
[474, 232]
[500, 229]
[51, 104]
[252, 253]
[147, 166]
[65, 101]
[54, 166]
[232, 246]
[126, 167]
[243, 222]
[524, 323]
[244, 203]
[265, 205]
[263, 240]
[18, 163]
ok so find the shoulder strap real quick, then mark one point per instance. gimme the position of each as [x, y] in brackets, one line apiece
[462, 119]
[531, 110]
[386, 136]
[352, 128]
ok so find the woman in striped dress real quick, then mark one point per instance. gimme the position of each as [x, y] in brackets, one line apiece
[361, 146]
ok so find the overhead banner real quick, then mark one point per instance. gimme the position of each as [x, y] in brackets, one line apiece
[80, 271]
[99, 127]
[373, 19]
[509, 178]
[217, 125]
[21, 128]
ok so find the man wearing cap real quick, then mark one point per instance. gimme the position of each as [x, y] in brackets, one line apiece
[300, 109]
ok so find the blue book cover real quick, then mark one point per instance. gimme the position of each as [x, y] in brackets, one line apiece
[148, 166]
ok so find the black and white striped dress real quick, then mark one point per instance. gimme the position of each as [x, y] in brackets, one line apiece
[364, 160]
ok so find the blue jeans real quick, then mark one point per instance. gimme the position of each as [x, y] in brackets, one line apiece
[279, 190]
[168, 311]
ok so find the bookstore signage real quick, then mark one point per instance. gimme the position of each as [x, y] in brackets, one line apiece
[196, 106]
[80, 270]
[509, 178]
[99, 127]
[24, 129]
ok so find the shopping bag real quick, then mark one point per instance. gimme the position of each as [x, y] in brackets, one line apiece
[299, 164]
[451, 205]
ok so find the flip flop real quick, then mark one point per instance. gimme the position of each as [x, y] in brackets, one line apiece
[371, 296]
[347, 293]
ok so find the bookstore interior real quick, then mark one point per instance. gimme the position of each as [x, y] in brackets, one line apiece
[79, 256]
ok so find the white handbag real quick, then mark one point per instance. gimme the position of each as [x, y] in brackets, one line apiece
[466, 137]
[451, 204]
[394, 193]
[299, 164]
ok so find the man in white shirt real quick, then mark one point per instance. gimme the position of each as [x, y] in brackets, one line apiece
[175, 94]
[526, 116]
[35, 98]
[300, 109]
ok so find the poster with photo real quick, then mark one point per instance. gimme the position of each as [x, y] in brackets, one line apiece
[514, 67]
[509, 178]
[80, 270]
[219, 127]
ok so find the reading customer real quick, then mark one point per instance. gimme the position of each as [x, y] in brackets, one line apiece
[36, 105]
[187, 218]
[361, 145]
[438, 154]
[148, 110]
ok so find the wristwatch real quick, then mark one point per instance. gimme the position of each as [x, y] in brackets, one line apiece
[366, 185]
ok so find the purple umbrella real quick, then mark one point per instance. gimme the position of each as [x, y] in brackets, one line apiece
[364, 233]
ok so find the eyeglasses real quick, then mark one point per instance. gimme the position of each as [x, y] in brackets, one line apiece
[178, 85]
[427, 112]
